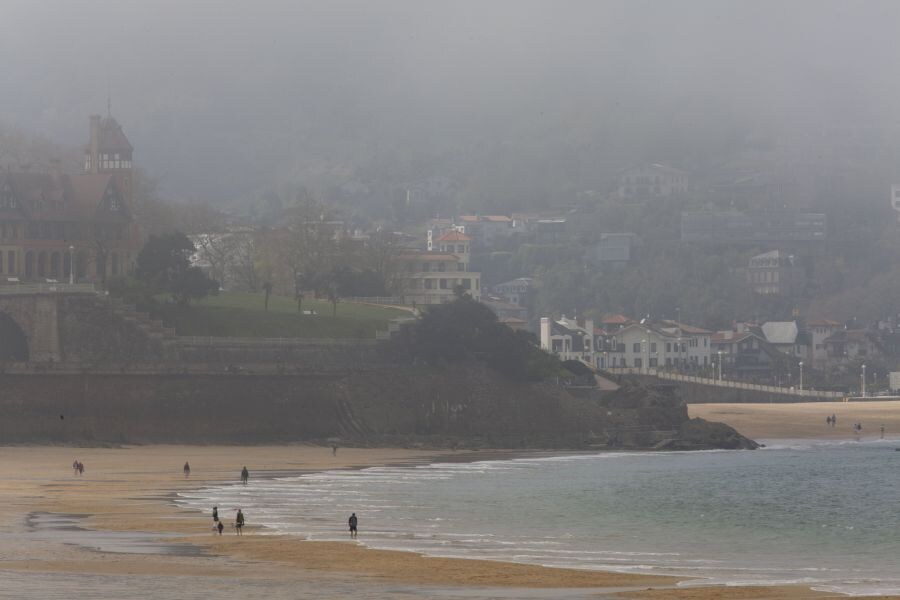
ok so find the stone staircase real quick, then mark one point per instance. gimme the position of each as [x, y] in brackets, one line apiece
[153, 328]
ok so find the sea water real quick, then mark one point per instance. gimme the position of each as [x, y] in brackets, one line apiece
[825, 515]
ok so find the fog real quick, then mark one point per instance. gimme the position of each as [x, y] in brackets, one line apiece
[519, 102]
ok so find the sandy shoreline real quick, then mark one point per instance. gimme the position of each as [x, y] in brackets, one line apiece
[128, 490]
[806, 420]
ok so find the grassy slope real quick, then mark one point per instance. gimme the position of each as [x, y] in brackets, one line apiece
[242, 315]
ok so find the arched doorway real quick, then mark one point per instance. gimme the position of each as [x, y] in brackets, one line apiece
[13, 343]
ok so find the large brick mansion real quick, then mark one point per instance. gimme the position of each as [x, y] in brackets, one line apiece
[50, 220]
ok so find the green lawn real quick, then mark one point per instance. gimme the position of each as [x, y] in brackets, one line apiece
[234, 314]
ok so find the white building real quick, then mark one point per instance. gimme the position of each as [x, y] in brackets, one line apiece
[659, 344]
[652, 181]
[568, 340]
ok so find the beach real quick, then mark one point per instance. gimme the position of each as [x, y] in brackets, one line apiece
[126, 494]
[806, 420]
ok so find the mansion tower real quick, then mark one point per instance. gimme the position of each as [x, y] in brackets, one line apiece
[52, 222]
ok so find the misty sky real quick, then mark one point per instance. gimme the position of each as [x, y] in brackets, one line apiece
[220, 97]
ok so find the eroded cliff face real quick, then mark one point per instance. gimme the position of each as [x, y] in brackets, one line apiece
[455, 407]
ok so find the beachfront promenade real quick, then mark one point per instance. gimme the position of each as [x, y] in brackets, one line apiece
[725, 383]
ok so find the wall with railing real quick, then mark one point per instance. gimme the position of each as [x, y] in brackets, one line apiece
[724, 383]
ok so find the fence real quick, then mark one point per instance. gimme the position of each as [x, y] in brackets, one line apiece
[724, 383]
[293, 342]
[47, 288]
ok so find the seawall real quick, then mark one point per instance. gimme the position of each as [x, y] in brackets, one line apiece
[401, 405]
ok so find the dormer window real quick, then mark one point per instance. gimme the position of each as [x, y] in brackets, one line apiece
[87, 162]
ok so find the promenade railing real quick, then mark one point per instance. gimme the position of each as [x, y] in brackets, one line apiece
[725, 383]
[47, 288]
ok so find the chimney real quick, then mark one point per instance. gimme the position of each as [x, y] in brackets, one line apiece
[545, 334]
[95, 143]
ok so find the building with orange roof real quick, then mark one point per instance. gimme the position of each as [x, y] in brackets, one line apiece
[72, 226]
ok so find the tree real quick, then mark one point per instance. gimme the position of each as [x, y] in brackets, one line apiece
[163, 264]
[467, 330]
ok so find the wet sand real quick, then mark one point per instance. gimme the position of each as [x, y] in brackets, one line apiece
[128, 490]
[806, 420]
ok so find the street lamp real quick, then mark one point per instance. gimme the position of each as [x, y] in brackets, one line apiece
[863, 377]
[720, 364]
[71, 265]
[801, 375]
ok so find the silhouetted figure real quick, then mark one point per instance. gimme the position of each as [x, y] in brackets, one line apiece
[187, 469]
[882, 431]
[245, 475]
[828, 421]
[80, 468]
[833, 420]
[352, 522]
[239, 522]
[334, 449]
[215, 514]
[220, 527]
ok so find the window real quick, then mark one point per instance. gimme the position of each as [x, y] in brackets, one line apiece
[636, 348]
[11, 262]
[652, 346]
[442, 267]
[653, 362]
[668, 346]
[638, 363]
[429, 284]
[444, 284]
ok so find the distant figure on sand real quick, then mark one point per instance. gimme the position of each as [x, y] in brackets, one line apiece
[245, 475]
[215, 514]
[187, 469]
[75, 467]
[334, 449]
[220, 527]
[833, 420]
[80, 468]
[882, 431]
[239, 522]
[828, 421]
[352, 521]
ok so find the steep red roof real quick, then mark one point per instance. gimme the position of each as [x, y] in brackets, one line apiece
[112, 139]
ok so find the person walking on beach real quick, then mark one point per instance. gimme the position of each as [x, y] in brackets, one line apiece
[352, 522]
[245, 475]
[75, 467]
[334, 449]
[215, 514]
[239, 522]
[80, 468]
[833, 419]
[220, 527]
[828, 421]
[187, 469]
[882, 431]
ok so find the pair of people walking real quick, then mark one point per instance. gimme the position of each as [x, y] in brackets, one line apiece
[238, 521]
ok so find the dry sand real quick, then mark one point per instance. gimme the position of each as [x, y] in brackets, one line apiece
[128, 489]
[806, 420]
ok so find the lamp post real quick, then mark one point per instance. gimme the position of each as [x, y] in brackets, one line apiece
[720, 364]
[801, 375]
[863, 379]
[71, 265]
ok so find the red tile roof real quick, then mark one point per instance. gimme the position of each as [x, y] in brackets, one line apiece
[454, 236]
